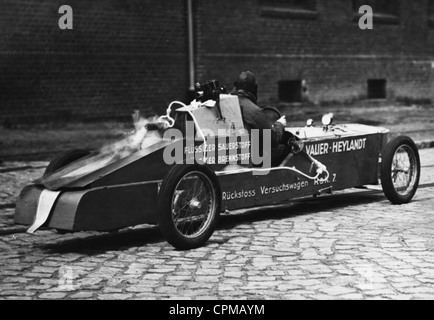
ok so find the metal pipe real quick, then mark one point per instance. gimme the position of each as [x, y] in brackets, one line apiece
[191, 45]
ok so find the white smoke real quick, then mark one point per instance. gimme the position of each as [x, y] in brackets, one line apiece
[139, 139]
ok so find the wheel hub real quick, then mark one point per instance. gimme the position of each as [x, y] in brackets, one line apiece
[195, 204]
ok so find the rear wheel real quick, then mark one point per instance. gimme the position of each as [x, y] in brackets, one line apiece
[400, 170]
[189, 206]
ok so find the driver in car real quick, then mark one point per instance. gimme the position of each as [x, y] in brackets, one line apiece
[254, 117]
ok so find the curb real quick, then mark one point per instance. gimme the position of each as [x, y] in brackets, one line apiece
[20, 168]
[12, 230]
[4, 170]
[7, 206]
[425, 144]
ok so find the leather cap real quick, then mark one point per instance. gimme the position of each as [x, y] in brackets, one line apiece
[247, 82]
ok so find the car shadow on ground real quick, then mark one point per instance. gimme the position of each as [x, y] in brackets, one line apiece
[306, 206]
[99, 243]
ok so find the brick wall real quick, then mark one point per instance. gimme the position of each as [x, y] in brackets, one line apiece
[120, 56]
[327, 49]
[124, 55]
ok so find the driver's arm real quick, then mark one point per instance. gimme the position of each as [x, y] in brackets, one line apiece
[262, 122]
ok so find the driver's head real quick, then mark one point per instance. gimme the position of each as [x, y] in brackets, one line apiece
[247, 82]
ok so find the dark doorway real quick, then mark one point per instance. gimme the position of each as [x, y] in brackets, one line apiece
[290, 91]
[377, 89]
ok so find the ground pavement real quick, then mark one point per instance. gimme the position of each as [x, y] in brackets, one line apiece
[349, 246]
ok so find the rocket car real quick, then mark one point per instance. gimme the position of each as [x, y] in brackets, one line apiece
[105, 190]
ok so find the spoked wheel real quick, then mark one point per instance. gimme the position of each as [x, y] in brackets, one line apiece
[189, 206]
[400, 170]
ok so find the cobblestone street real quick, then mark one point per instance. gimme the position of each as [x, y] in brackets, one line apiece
[354, 245]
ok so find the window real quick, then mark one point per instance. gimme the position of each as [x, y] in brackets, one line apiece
[431, 12]
[380, 7]
[291, 8]
[290, 91]
[385, 11]
[291, 4]
[377, 89]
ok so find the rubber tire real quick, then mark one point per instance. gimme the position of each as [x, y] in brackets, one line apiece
[386, 167]
[63, 159]
[166, 225]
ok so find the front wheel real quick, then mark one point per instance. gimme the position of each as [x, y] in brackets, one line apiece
[400, 170]
[189, 206]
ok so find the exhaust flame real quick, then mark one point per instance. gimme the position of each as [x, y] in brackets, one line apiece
[141, 138]
[147, 132]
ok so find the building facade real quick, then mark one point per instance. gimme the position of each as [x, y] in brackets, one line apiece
[316, 51]
[122, 56]
[119, 57]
